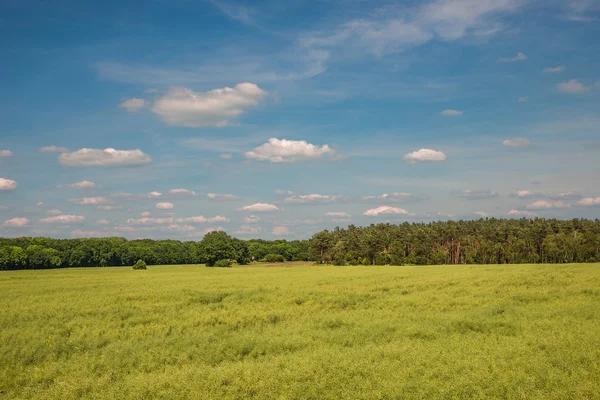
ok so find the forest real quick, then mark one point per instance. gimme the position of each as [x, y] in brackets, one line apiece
[484, 241]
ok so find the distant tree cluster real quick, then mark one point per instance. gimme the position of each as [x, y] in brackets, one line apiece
[485, 241]
[39, 253]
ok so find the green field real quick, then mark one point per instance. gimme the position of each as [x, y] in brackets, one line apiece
[309, 332]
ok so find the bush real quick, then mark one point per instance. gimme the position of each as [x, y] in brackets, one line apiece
[274, 258]
[139, 265]
[223, 263]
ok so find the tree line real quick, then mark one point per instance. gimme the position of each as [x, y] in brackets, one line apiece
[484, 241]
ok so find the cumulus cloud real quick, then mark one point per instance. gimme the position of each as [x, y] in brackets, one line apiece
[396, 197]
[226, 156]
[181, 228]
[482, 214]
[451, 113]
[145, 214]
[589, 201]
[567, 196]
[201, 220]
[287, 151]
[337, 214]
[476, 194]
[6, 153]
[154, 194]
[98, 200]
[164, 206]
[7, 184]
[40, 204]
[150, 221]
[424, 155]
[184, 107]
[133, 104]
[386, 210]
[63, 219]
[103, 222]
[544, 204]
[554, 70]
[572, 86]
[78, 185]
[526, 193]
[182, 192]
[517, 142]
[521, 213]
[53, 149]
[247, 230]
[280, 231]
[251, 219]
[313, 199]
[109, 208]
[54, 212]
[222, 197]
[16, 222]
[259, 207]
[282, 192]
[104, 158]
[519, 57]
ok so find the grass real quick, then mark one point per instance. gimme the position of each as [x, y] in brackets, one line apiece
[310, 332]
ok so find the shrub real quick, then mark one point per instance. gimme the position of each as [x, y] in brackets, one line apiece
[273, 258]
[223, 263]
[139, 265]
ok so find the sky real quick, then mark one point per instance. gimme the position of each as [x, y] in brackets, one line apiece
[269, 119]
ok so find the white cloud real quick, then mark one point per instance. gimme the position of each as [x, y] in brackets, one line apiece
[284, 151]
[247, 230]
[589, 201]
[544, 204]
[78, 185]
[476, 194]
[54, 212]
[424, 155]
[451, 113]
[521, 213]
[251, 219]
[104, 158]
[572, 86]
[109, 208]
[145, 214]
[222, 197]
[226, 156]
[482, 214]
[154, 194]
[91, 200]
[527, 193]
[16, 222]
[519, 57]
[164, 206]
[7, 184]
[280, 231]
[87, 234]
[183, 107]
[523, 99]
[63, 219]
[554, 70]
[340, 214]
[517, 142]
[40, 204]
[259, 207]
[103, 222]
[202, 220]
[6, 153]
[3, 208]
[182, 192]
[133, 104]
[386, 210]
[150, 221]
[567, 196]
[281, 192]
[53, 149]
[181, 228]
[313, 199]
[396, 197]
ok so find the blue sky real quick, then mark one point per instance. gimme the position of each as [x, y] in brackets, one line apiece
[279, 119]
